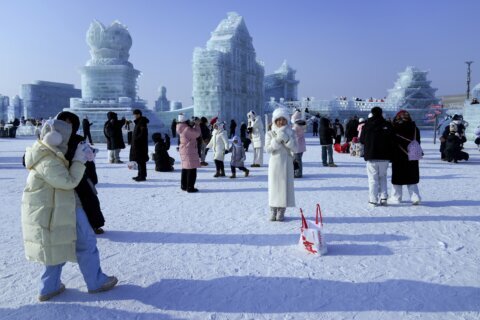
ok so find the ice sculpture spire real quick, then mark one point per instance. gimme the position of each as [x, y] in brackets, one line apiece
[412, 90]
[227, 78]
[282, 83]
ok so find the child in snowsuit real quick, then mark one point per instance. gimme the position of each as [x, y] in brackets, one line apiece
[238, 157]
[219, 144]
[163, 162]
[282, 145]
[55, 227]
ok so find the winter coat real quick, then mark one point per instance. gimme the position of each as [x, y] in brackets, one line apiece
[86, 125]
[218, 143]
[326, 132]
[163, 161]
[112, 130]
[315, 124]
[338, 129]
[300, 136]
[257, 132]
[48, 205]
[188, 145]
[281, 144]
[377, 138]
[453, 147]
[139, 148]
[351, 130]
[404, 171]
[86, 188]
[238, 155]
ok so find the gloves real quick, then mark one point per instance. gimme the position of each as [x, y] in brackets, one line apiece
[282, 136]
[274, 144]
[83, 153]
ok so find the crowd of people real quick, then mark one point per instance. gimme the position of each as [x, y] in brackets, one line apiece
[61, 211]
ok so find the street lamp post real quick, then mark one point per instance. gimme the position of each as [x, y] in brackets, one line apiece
[468, 78]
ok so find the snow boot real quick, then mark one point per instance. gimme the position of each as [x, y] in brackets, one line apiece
[273, 211]
[109, 284]
[247, 173]
[48, 296]
[281, 214]
[233, 176]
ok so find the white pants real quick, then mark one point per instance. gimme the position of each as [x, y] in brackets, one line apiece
[258, 156]
[377, 180]
[412, 190]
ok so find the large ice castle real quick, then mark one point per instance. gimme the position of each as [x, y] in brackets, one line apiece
[227, 78]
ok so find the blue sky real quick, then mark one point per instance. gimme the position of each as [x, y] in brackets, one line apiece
[341, 47]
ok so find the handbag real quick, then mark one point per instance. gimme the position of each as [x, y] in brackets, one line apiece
[311, 234]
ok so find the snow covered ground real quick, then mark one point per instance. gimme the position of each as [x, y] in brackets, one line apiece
[215, 255]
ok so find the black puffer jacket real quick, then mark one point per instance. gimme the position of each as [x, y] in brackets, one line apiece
[326, 132]
[139, 148]
[377, 138]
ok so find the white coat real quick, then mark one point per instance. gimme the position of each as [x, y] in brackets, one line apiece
[257, 131]
[281, 144]
[218, 143]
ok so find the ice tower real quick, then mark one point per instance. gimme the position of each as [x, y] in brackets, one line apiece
[412, 90]
[109, 80]
[281, 84]
[227, 78]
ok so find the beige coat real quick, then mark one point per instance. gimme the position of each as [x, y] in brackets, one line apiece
[48, 205]
[219, 144]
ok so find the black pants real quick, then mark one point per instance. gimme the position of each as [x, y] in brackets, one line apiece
[142, 169]
[189, 176]
[86, 134]
[239, 168]
[338, 139]
[220, 167]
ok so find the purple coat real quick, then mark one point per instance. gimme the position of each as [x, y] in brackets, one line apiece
[188, 145]
[300, 136]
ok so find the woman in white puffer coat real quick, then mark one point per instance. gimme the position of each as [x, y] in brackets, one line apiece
[281, 144]
[219, 145]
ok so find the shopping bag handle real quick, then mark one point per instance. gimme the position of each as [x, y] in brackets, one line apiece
[319, 214]
[304, 222]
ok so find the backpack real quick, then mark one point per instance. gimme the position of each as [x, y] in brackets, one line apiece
[414, 150]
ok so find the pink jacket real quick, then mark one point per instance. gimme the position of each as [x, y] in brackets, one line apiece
[188, 145]
[300, 136]
[360, 128]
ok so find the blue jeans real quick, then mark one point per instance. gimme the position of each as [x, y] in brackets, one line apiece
[87, 256]
[327, 149]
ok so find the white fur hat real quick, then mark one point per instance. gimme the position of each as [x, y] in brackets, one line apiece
[281, 113]
[181, 118]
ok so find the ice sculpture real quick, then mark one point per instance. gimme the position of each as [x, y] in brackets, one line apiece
[162, 103]
[227, 78]
[109, 80]
[412, 90]
[281, 84]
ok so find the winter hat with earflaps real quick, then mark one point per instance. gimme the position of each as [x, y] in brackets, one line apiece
[56, 133]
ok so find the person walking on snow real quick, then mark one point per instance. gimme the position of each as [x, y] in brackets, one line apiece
[55, 227]
[404, 171]
[219, 145]
[377, 138]
[86, 124]
[112, 130]
[299, 126]
[188, 152]
[281, 144]
[255, 128]
[238, 157]
[327, 135]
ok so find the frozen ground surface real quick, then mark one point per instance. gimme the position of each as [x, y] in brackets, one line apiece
[215, 255]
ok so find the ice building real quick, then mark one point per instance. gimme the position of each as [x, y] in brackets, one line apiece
[4, 103]
[227, 78]
[471, 112]
[15, 108]
[43, 99]
[412, 90]
[109, 80]
[281, 84]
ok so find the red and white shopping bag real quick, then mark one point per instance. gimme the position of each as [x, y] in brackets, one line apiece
[311, 236]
